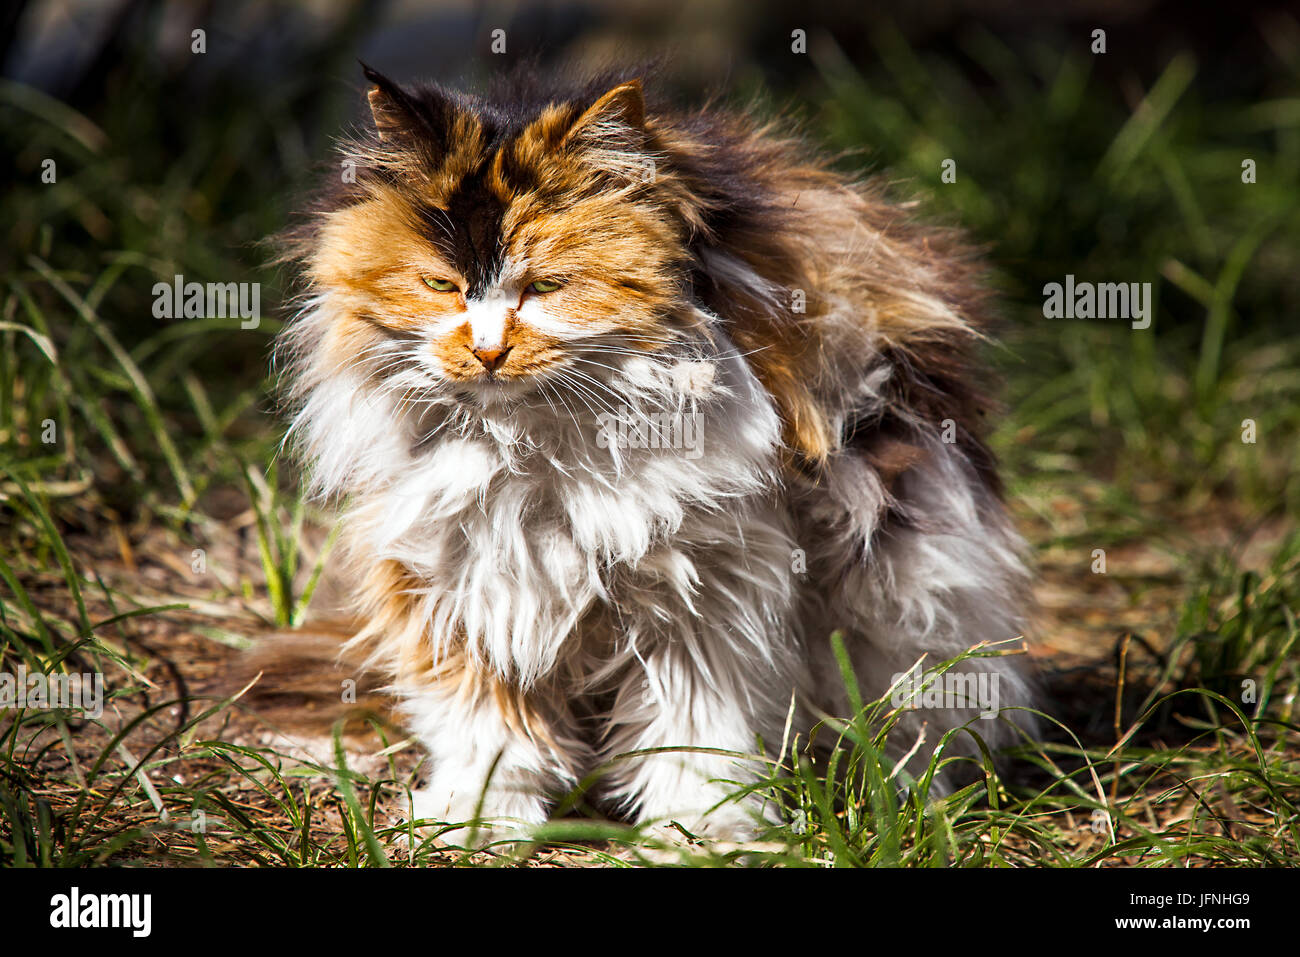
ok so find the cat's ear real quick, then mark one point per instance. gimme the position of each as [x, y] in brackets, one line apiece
[618, 114]
[394, 111]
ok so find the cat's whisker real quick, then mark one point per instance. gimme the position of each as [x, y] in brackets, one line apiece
[660, 406]
[583, 395]
[587, 388]
[542, 391]
[573, 417]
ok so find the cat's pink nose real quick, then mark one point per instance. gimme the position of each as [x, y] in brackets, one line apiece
[492, 359]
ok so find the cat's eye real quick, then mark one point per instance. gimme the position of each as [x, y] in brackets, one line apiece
[543, 286]
[439, 285]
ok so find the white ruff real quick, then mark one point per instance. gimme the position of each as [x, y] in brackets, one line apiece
[663, 580]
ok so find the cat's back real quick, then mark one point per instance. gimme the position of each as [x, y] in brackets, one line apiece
[859, 316]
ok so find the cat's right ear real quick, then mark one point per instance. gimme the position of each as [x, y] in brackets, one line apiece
[394, 111]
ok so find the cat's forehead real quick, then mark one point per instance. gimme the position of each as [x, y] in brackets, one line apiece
[472, 161]
[491, 161]
[464, 223]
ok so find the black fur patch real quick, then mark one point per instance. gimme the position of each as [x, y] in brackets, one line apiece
[468, 232]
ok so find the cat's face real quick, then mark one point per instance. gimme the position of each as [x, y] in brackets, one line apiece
[485, 254]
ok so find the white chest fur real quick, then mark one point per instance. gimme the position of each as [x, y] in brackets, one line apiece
[517, 518]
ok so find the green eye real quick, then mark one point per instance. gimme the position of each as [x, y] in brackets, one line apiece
[439, 285]
[543, 285]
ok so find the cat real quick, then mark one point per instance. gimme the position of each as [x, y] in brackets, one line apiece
[628, 409]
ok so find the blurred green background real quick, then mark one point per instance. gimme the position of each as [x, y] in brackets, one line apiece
[1123, 166]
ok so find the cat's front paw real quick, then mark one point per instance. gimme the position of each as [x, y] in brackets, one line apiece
[473, 823]
[722, 832]
[731, 823]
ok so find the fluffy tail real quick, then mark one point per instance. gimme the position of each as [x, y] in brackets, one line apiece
[306, 680]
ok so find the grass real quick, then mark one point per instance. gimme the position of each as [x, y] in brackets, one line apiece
[148, 529]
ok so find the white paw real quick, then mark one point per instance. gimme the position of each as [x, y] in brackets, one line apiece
[720, 833]
[732, 823]
[500, 817]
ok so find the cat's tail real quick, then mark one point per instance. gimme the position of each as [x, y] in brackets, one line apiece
[307, 679]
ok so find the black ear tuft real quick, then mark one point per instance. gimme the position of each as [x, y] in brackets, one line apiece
[393, 109]
[373, 75]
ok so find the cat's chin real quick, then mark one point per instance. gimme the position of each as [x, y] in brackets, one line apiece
[503, 393]
[495, 393]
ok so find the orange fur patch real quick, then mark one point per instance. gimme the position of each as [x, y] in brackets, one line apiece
[394, 637]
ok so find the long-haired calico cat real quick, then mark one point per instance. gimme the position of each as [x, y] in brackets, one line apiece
[629, 410]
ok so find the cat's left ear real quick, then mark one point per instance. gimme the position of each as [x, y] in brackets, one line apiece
[618, 115]
[399, 115]
[390, 107]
